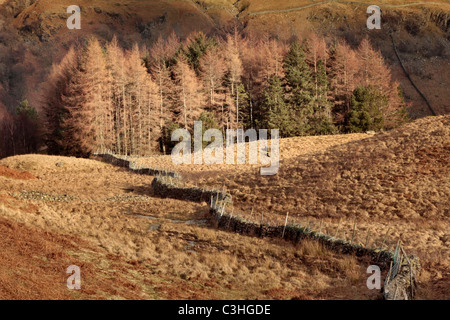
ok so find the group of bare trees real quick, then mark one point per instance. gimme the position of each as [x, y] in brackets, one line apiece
[102, 97]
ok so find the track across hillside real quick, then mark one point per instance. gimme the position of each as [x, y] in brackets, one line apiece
[345, 2]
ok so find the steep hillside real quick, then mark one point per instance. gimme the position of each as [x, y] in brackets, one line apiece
[420, 30]
[390, 186]
[34, 263]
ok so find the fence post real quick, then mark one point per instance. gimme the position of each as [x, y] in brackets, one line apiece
[231, 217]
[388, 278]
[223, 208]
[382, 244]
[260, 224]
[367, 238]
[337, 229]
[354, 228]
[285, 223]
[410, 271]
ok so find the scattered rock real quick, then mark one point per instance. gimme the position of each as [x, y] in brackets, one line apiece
[153, 227]
[127, 198]
[41, 196]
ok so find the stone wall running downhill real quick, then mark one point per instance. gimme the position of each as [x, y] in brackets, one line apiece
[399, 284]
[130, 165]
[165, 189]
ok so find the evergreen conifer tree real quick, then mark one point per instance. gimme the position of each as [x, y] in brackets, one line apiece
[366, 109]
[321, 121]
[299, 88]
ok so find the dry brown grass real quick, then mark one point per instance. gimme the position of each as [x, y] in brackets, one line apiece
[144, 21]
[170, 259]
[33, 265]
[289, 148]
[395, 185]
[397, 180]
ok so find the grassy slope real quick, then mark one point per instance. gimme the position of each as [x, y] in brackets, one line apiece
[394, 183]
[416, 204]
[397, 179]
[163, 257]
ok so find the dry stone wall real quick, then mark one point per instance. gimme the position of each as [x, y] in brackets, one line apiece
[399, 284]
[130, 165]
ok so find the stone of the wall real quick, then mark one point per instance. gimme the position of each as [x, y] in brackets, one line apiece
[295, 234]
[167, 190]
[111, 159]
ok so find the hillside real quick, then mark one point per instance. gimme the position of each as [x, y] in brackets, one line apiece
[34, 261]
[256, 64]
[395, 184]
[420, 30]
[132, 245]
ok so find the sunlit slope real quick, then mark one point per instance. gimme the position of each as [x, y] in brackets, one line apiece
[132, 245]
[395, 183]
